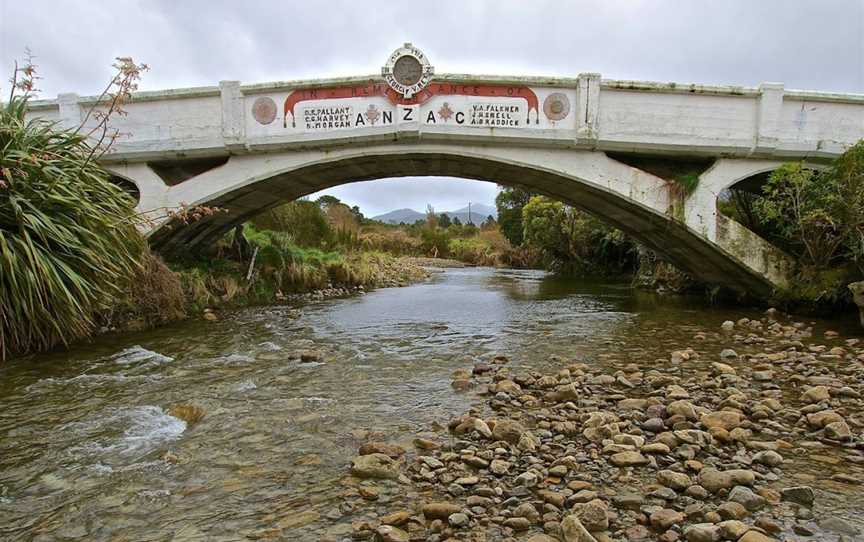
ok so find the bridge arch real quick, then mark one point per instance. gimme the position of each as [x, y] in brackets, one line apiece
[634, 201]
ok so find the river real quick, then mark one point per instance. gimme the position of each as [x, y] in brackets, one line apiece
[89, 452]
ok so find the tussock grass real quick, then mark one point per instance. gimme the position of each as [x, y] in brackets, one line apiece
[68, 243]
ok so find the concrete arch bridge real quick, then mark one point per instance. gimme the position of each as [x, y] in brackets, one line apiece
[613, 148]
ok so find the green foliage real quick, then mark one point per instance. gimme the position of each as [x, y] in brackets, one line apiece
[434, 242]
[303, 220]
[574, 240]
[509, 203]
[68, 241]
[444, 220]
[848, 173]
[327, 200]
[806, 210]
[543, 222]
[688, 181]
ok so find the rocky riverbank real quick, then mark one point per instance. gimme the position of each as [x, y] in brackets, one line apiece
[442, 263]
[395, 273]
[736, 443]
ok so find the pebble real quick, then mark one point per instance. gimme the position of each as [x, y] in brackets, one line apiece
[647, 451]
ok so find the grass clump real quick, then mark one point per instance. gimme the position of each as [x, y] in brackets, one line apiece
[68, 243]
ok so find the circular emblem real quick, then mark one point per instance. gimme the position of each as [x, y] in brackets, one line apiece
[407, 70]
[556, 106]
[264, 110]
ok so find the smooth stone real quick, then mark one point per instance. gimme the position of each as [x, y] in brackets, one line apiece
[666, 518]
[439, 510]
[374, 466]
[803, 495]
[628, 459]
[573, 531]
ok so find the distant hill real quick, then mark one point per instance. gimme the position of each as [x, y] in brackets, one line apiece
[479, 212]
[408, 216]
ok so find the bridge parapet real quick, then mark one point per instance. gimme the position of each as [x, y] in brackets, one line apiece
[583, 112]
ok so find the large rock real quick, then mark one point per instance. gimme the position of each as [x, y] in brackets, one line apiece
[482, 427]
[508, 431]
[528, 511]
[838, 431]
[374, 466]
[702, 532]
[508, 386]
[769, 458]
[682, 408]
[725, 419]
[816, 394]
[756, 536]
[675, 480]
[666, 518]
[823, 418]
[745, 497]
[799, 494]
[592, 515]
[732, 529]
[628, 459]
[440, 510]
[714, 480]
[573, 531]
[388, 533]
[393, 451]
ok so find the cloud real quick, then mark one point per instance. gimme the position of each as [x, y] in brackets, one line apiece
[816, 45]
[443, 193]
[805, 44]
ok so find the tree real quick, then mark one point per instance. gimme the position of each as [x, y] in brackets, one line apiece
[489, 224]
[341, 218]
[444, 220]
[431, 217]
[543, 222]
[806, 209]
[456, 221]
[509, 203]
[327, 200]
[303, 219]
[574, 240]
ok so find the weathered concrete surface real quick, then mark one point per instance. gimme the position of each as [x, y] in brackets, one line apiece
[555, 141]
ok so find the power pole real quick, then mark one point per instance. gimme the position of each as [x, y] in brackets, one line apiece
[469, 213]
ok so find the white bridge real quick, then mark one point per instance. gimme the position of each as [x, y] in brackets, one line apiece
[612, 148]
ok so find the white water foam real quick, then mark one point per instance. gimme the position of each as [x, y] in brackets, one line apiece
[139, 354]
[145, 428]
[246, 385]
[237, 358]
[270, 346]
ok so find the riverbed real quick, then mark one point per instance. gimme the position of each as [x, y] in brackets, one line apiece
[89, 451]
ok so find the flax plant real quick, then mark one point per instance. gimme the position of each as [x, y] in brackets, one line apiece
[68, 241]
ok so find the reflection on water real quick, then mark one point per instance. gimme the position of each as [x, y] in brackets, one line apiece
[84, 434]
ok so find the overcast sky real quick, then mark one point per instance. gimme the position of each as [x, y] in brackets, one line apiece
[807, 44]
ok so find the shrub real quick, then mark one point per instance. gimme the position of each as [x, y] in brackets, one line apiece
[574, 240]
[303, 220]
[67, 236]
[805, 209]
